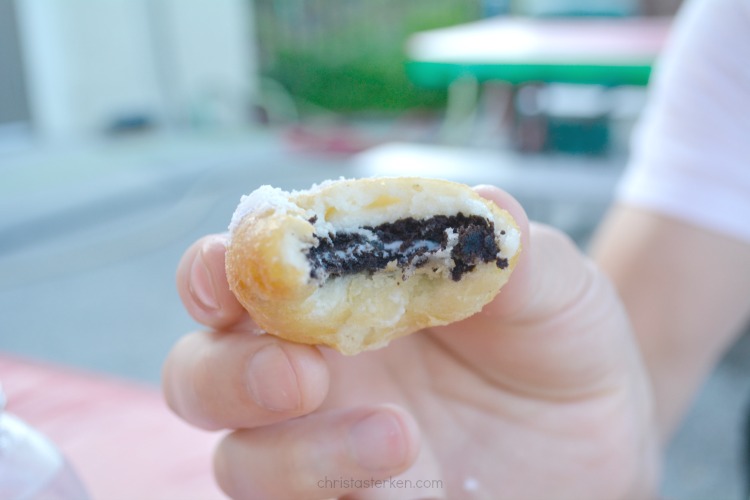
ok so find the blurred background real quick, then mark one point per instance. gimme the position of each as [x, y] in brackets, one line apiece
[129, 128]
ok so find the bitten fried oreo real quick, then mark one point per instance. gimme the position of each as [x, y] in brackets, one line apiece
[353, 264]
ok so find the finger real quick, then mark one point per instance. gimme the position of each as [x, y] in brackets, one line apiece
[513, 294]
[559, 331]
[550, 273]
[202, 284]
[320, 456]
[240, 380]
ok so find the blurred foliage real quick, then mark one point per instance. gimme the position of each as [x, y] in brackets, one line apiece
[348, 55]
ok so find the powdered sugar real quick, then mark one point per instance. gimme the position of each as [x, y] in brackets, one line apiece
[268, 198]
[264, 199]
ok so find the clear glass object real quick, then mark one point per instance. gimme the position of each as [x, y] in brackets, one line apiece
[31, 466]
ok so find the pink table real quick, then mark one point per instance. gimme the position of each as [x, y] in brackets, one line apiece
[120, 437]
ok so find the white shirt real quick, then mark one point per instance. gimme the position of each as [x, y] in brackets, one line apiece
[691, 151]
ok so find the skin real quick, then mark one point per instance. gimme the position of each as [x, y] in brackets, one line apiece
[686, 289]
[542, 393]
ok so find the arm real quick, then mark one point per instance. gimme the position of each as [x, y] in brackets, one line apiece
[687, 291]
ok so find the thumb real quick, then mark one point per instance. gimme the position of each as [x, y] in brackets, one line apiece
[557, 329]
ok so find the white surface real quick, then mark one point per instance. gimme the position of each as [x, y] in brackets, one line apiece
[90, 62]
[542, 178]
[521, 40]
[87, 61]
[212, 58]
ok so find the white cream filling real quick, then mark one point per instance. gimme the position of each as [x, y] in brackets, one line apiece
[509, 241]
[261, 201]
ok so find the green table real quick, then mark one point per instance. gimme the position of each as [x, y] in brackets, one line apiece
[515, 50]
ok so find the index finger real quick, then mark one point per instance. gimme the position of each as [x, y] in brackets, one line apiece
[512, 296]
[203, 287]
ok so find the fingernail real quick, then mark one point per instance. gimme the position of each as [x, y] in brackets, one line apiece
[201, 285]
[272, 380]
[377, 442]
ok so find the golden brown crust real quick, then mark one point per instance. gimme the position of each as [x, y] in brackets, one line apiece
[271, 277]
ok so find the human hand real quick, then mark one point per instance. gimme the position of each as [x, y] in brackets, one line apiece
[541, 395]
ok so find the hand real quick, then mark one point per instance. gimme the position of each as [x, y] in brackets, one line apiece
[541, 395]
